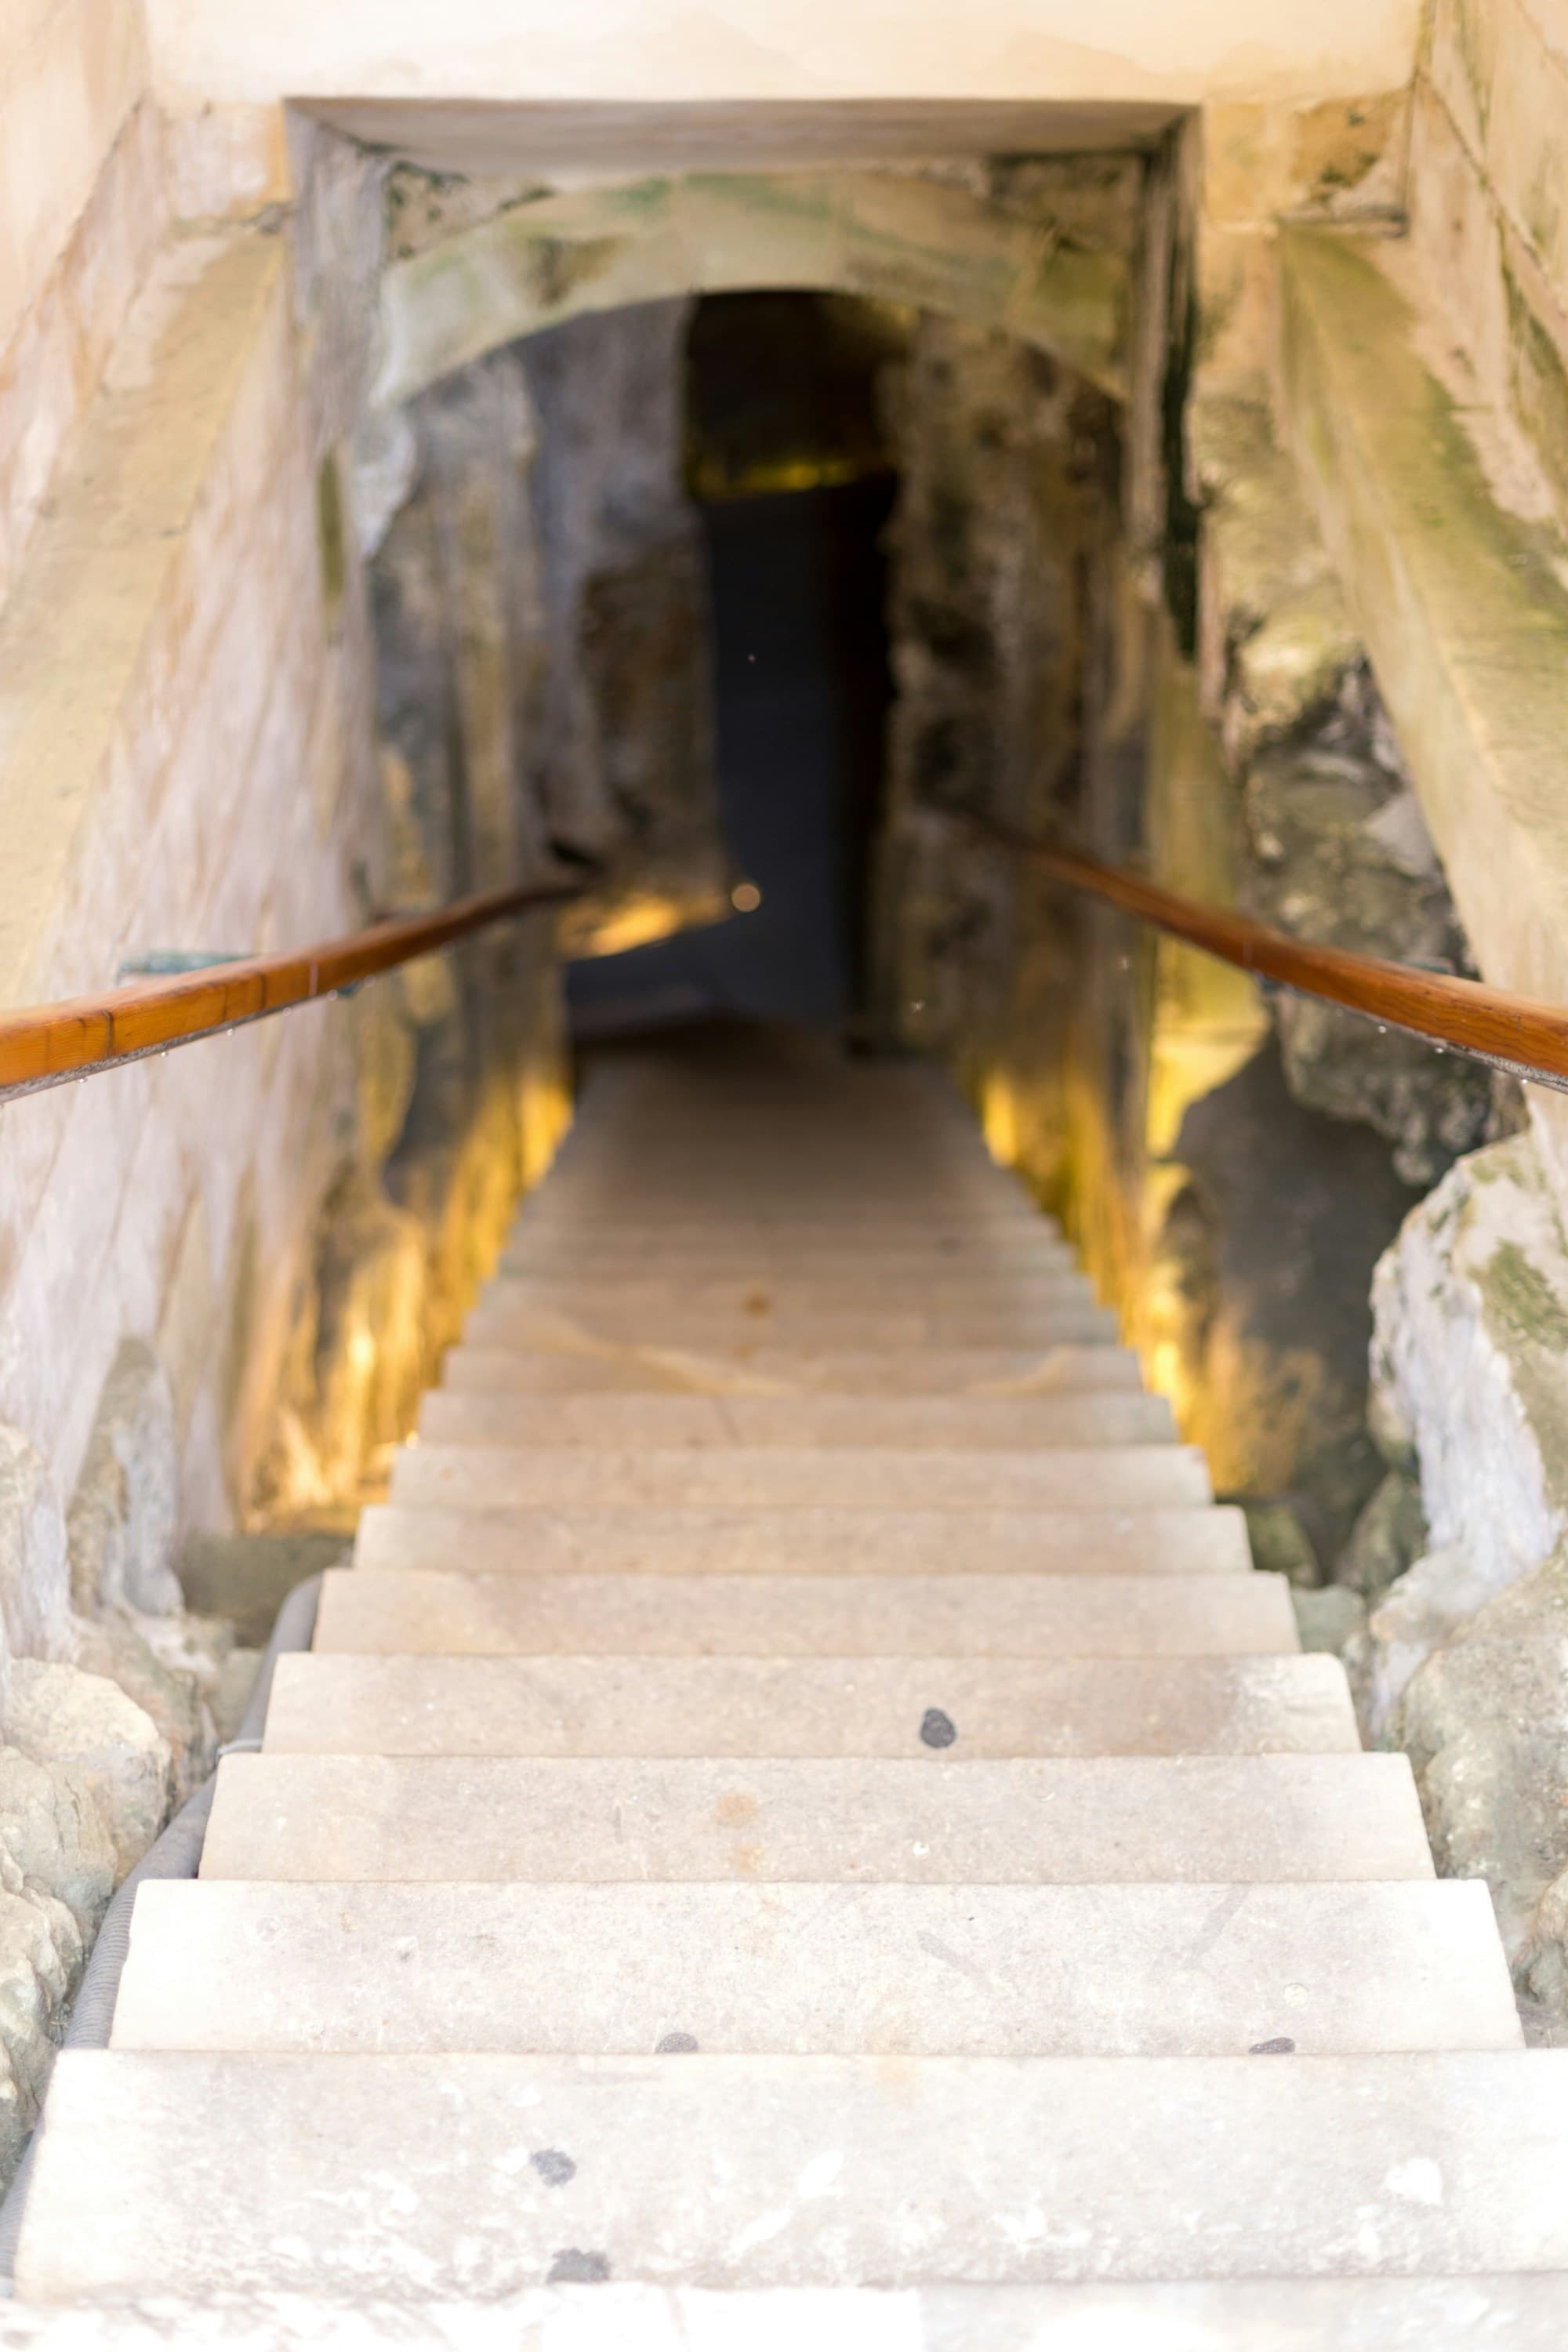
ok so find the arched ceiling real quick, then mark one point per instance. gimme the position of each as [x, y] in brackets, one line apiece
[884, 236]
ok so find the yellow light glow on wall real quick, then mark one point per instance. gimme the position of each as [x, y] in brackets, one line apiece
[637, 922]
[999, 1118]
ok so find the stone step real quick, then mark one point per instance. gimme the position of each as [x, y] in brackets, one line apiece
[555, 1219]
[584, 1290]
[926, 1971]
[772, 1186]
[1191, 1541]
[508, 1317]
[819, 1258]
[954, 1708]
[768, 1195]
[1083, 1821]
[1527, 2312]
[470, 1410]
[500, 1321]
[901, 1166]
[370, 1613]
[366, 2175]
[932, 1371]
[781, 1478]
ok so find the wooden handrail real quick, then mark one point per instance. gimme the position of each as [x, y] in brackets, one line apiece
[49, 1043]
[1516, 1033]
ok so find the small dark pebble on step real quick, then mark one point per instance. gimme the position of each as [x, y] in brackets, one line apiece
[938, 1730]
[1279, 2047]
[674, 2044]
[572, 2267]
[554, 2166]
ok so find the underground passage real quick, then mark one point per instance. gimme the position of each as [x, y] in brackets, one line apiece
[784, 1202]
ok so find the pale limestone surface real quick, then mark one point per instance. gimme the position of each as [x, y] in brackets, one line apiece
[788, 1707]
[1449, 2162]
[1081, 1822]
[53, 355]
[467, 1412]
[364, 1612]
[460, 1536]
[953, 1970]
[778, 1479]
[70, 75]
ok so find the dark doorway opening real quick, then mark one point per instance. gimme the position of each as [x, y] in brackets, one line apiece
[790, 468]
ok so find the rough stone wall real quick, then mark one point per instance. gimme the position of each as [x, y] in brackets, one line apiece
[539, 624]
[216, 1268]
[186, 760]
[1293, 1174]
[1463, 1659]
[1005, 628]
[1232, 1165]
[622, 759]
[211, 752]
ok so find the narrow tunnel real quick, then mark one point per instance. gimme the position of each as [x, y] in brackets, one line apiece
[791, 470]
[778, 610]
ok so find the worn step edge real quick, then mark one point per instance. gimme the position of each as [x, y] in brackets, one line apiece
[474, 1406]
[954, 1708]
[403, 1613]
[1148, 2168]
[936, 1478]
[619, 1368]
[1160, 1818]
[1181, 1538]
[890, 1970]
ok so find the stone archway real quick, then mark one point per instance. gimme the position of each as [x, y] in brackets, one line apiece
[888, 237]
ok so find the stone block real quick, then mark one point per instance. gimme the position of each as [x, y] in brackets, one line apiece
[34, 1575]
[54, 1839]
[124, 1513]
[59, 1715]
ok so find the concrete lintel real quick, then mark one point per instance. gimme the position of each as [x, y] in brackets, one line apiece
[893, 238]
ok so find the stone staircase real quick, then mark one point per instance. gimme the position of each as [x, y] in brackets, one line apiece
[802, 1789]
